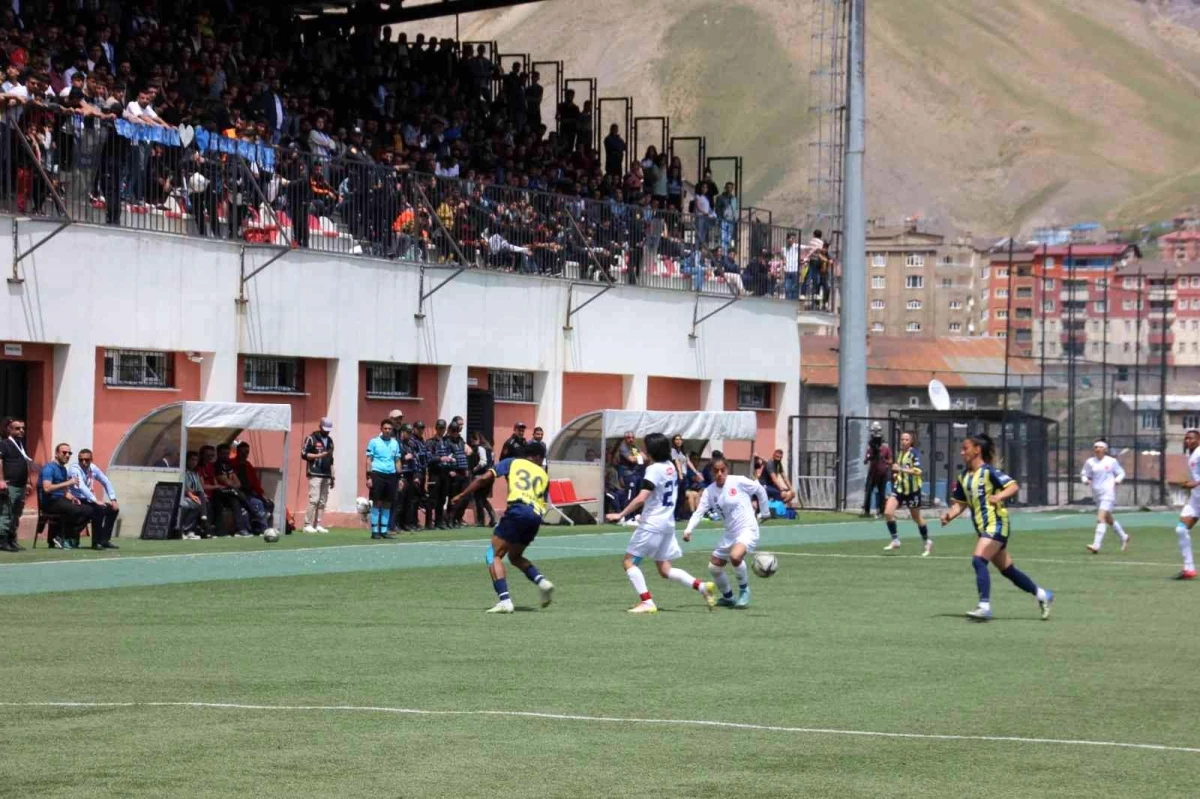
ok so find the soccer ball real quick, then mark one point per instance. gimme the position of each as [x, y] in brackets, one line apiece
[270, 535]
[765, 564]
[363, 506]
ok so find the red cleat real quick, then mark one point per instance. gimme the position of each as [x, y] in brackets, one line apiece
[1186, 574]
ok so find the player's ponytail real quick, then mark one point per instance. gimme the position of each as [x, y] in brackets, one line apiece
[987, 448]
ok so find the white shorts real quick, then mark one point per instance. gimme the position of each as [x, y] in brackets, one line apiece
[655, 543]
[1192, 508]
[747, 537]
[1106, 502]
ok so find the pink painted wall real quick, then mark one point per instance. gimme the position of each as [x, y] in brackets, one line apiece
[672, 394]
[583, 393]
[116, 410]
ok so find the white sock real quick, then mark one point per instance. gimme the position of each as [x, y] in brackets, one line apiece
[721, 579]
[742, 572]
[1101, 529]
[681, 577]
[638, 579]
[985, 605]
[1041, 594]
[1185, 546]
[1120, 530]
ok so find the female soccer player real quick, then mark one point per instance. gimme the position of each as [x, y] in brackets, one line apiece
[906, 492]
[732, 495]
[982, 489]
[1191, 510]
[655, 533]
[1103, 473]
[527, 487]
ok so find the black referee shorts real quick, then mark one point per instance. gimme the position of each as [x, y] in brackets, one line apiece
[383, 487]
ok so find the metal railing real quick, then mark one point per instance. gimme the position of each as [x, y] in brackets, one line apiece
[97, 170]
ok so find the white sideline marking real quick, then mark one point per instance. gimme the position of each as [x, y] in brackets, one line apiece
[610, 720]
[962, 557]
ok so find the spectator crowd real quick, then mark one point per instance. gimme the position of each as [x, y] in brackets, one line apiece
[252, 124]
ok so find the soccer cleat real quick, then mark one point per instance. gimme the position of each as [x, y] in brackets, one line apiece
[1186, 574]
[893, 544]
[743, 600]
[1095, 550]
[1125, 543]
[1046, 604]
[709, 592]
[321, 529]
[726, 601]
[980, 614]
[503, 606]
[928, 548]
[308, 528]
[644, 607]
[547, 589]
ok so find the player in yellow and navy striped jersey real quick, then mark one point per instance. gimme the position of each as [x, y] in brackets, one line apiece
[528, 484]
[907, 477]
[981, 491]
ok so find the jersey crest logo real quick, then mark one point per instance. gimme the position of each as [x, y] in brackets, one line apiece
[733, 492]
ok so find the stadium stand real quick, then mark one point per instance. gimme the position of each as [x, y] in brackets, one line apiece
[193, 120]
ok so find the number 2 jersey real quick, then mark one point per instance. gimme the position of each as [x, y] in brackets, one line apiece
[662, 481]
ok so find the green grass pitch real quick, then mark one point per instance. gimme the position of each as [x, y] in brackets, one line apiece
[314, 671]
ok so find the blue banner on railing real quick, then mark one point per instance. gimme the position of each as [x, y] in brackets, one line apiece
[261, 154]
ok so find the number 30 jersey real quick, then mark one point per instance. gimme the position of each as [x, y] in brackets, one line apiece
[527, 482]
[662, 482]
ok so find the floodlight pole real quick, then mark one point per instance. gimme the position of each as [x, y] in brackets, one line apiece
[852, 346]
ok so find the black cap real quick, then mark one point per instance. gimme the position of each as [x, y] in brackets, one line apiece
[534, 449]
[519, 424]
[419, 425]
[439, 424]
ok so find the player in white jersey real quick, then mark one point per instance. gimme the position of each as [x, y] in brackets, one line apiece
[655, 534]
[732, 495]
[1191, 509]
[1104, 473]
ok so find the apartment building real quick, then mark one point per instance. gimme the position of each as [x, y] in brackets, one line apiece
[919, 283]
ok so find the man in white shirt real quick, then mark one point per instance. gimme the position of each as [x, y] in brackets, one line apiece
[791, 268]
[15, 94]
[104, 514]
[140, 111]
[1103, 473]
[655, 534]
[731, 495]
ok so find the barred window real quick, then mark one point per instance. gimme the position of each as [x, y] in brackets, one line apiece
[140, 368]
[754, 396]
[284, 375]
[391, 380]
[510, 386]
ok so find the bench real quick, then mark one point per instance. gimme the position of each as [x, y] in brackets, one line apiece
[564, 499]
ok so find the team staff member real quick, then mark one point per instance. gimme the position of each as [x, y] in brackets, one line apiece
[318, 467]
[383, 462]
[56, 499]
[407, 491]
[981, 490]
[527, 486]
[14, 481]
[906, 493]
[104, 514]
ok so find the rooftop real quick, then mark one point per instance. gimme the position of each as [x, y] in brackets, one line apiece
[904, 361]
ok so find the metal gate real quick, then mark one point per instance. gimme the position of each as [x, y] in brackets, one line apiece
[813, 452]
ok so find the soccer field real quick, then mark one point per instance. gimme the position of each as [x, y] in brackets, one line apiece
[322, 666]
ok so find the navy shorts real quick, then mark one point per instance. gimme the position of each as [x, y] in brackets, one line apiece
[519, 524]
[912, 500]
[773, 493]
[1001, 537]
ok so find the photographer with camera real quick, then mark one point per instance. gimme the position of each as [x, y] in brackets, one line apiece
[879, 469]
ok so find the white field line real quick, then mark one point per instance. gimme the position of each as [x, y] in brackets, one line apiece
[458, 543]
[961, 558]
[726, 725]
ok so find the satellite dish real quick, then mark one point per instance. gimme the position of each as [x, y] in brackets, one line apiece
[939, 397]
